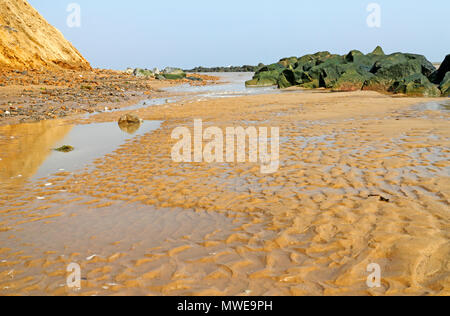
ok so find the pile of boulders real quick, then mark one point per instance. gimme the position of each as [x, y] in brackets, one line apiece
[408, 74]
[169, 73]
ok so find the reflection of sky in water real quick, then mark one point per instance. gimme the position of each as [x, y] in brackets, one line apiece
[91, 142]
[443, 105]
[234, 85]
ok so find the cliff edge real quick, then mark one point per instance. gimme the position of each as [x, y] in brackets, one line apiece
[28, 41]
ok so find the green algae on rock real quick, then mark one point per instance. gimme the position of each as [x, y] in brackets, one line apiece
[409, 74]
[65, 149]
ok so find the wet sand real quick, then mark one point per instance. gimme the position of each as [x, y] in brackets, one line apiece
[139, 224]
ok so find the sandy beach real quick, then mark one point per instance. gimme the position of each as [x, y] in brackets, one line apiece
[363, 178]
[222, 150]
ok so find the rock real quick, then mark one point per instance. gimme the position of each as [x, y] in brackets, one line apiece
[129, 71]
[400, 73]
[156, 71]
[445, 85]
[378, 51]
[416, 85]
[351, 80]
[427, 67]
[160, 77]
[267, 76]
[286, 79]
[311, 85]
[173, 73]
[138, 72]
[286, 62]
[379, 84]
[439, 74]
[397, 70]
[351, 56]
[65, 149]
[129, 119]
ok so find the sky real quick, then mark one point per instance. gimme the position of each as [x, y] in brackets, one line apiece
[147, 33]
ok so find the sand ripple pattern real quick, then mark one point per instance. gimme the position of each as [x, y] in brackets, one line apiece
[138, 223]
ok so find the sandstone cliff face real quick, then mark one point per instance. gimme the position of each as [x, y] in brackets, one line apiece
[28, 41]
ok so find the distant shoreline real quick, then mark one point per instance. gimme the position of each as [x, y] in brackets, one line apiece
[244, 68]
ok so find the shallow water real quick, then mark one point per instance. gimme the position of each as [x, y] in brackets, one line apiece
[443, 105]
[233, 85]
[90, 141]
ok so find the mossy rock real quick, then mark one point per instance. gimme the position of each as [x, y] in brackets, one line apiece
[138, 72]
[378, 51]
[262, 82]
[427, 67]
[311, 85]
[174, 76]
[286, 62]
[283, 82]
[267, 76]
[439, 74]
[173, 73]
[445, 85]
[379, 84]
[65, 149]
[352, 54]
[416, 85]
[398, 71]
[351, 80]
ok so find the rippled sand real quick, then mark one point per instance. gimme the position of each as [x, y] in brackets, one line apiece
[138, 223]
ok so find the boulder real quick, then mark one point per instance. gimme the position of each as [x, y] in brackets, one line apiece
[173, 73]
[378, 51]
[416, 85]
[351, 56]
[379, 84]
[398, 71]
[138, 72]
[267, 76]
[351, 80]
[427, 67]
[439, 74]
[283, 82]
[129, 119]
[311, 85]
[445, 85]
[286, 62]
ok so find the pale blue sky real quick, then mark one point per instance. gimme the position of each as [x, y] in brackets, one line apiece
[187, 33]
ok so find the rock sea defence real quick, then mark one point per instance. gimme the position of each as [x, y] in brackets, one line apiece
[408, 74]
[28, 41]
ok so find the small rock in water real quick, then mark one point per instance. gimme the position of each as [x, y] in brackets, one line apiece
[65, 149]
[129, 119]
[129, 123]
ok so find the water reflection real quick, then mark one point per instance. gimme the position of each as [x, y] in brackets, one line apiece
[27, 149]
[24, 147]
[130, 128]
